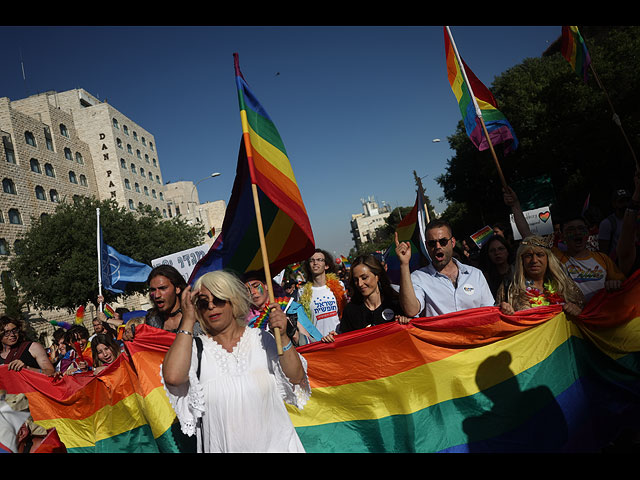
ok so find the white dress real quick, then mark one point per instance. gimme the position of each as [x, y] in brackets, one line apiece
[240, 397]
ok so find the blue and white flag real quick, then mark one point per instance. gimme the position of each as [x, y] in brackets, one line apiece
[118, 270]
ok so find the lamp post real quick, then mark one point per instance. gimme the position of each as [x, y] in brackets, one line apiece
[216, 174]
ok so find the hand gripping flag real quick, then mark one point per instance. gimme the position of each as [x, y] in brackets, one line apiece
[263, 164]
[476, 103]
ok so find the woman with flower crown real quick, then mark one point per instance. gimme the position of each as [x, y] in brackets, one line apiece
[539, 279]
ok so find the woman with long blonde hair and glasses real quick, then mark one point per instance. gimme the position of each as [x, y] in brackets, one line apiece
[539, 279]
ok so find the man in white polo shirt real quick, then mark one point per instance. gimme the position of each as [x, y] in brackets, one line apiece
[443, 286]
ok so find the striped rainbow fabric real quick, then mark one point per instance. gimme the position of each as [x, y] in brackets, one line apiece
[499, 128]
[263, 163]
[478, 381]
[574, 50]
[473, 381]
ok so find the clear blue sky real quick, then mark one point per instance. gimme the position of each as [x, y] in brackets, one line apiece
[358, 107]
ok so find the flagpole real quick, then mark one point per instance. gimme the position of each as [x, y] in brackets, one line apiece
[616, 118]
[477, 108]
[256, 202]
[99, 255]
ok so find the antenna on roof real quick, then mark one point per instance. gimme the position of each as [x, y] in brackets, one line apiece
[24, 77]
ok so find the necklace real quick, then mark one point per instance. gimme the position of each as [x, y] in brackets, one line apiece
[548, 295]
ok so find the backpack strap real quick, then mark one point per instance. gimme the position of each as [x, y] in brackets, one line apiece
[198, 341]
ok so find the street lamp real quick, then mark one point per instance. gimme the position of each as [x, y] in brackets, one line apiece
[216, 174]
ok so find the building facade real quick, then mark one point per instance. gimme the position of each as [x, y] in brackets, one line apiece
[363, 225]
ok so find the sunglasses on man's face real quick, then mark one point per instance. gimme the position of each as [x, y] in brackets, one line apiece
[203, 303]
[442, 241]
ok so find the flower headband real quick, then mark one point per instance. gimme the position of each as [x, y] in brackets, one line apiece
[536, 243]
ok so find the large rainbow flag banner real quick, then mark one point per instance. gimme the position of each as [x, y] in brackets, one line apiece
[472, 381]
[476, 101]
[262, 164]
[409, 229]
[574, 50]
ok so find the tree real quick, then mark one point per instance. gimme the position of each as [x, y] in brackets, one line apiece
[58, 267]
[565, 130]
[383, 235]
[13, 304]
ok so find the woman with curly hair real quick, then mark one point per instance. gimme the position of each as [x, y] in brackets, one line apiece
[539, 279]
[18, 352]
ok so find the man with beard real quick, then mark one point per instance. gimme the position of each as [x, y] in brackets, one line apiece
[443, 286]
[166, 284]
[592, 271]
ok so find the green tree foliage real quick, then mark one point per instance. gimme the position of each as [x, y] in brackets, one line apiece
[565, 130]
[58, 263]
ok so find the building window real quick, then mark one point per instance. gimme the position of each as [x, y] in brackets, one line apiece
[127, 184]
[146, 191]
[83, 181]
[151, 145]
[129, 149]
[135, 135]
[4, 247]
[131, 206]
[35, 166]
[119, 143]
[48, 170]
[133, 168]
[138, 154]
[67, 154]
[8, 186]
[63, 130]
[116, 125]
[146, 158]
[30, 139]
[48, 139]
[157, 179]
[155, 164]
[79, 158]
[14, 217]
[72, 177]
[125, 129]
[40, 195]
[153, 194]
[144, 141]
[161, 196]
[8, 149]
[53, 195]
[142, 171]
[123, 164]
[164, 213]
[137, 187]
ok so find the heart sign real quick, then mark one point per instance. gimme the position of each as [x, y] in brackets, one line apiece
[544, 216]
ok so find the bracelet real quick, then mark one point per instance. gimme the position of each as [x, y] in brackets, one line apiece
[185, 332]
[288, 346]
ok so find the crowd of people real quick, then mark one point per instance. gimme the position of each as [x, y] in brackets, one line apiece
[224, 374]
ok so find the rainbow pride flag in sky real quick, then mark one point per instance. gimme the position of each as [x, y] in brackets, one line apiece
[409, 229]
[574, 50]
[466, 87]
[262, 164]
[471, 381]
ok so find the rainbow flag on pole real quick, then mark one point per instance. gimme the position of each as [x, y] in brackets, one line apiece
[262, 164]
[574, 50]
[475, 102]
[410, 229]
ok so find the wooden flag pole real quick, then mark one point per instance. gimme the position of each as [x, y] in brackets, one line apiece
[493, 153]
[265, 261]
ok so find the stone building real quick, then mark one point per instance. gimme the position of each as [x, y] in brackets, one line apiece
[57, 145]
[363, 225]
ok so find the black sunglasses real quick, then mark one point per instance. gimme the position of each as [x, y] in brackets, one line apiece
[203, 303]
[442, 241]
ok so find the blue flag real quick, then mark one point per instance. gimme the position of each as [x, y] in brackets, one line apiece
[118, 270]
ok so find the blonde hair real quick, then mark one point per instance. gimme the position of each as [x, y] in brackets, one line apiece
[226, 286]
[555, 272]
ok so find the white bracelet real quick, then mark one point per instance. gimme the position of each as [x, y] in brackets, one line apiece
[185, 332]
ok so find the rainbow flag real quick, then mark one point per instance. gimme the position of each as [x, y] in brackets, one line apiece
[479, 381]
[345, 261]
[409, 229]
[79, 315]
[574, 50]
[123, 410]
[262, 164]
[481, 236]
[475, 102]
[108, 311]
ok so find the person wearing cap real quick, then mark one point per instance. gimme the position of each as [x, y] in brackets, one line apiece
[610, 227]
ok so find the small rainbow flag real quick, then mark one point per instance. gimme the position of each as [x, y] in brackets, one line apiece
[345, 261]
[108, 311]
[475, 102]
[79, 315]
[482, 235]
[574, 50]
